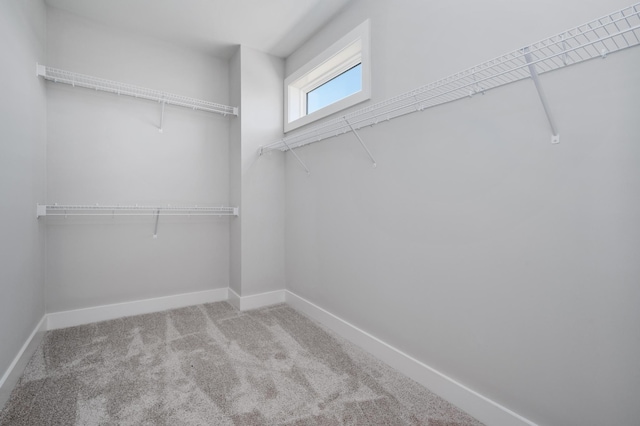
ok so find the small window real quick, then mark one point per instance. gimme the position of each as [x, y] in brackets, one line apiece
[339, 87]
[333, 81]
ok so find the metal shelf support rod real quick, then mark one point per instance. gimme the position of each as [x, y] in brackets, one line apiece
[555, 136]
[161, 118]
[373, 160]
[297, 158]
[155, 231]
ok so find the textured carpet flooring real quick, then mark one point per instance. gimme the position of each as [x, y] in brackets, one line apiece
[213, 365]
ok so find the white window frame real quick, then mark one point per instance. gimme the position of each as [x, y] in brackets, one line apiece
[349, 51]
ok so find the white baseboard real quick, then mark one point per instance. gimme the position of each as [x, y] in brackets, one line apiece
[234, 298]
[118, 310]
[13, 373]
[56, 320]
[255, 301]
[477, 405]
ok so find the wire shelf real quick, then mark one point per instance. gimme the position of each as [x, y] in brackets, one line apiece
[135, 210]
[596, 39]
[95, 83]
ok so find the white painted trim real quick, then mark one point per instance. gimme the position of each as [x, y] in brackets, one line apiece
[260, 300]
[13, 373]
[76, 317]
[118, 310]
[255, 301]
[296, 85]
[234, 298]
[477, 405]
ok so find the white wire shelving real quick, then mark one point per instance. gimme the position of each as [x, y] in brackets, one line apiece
[95, 83]
[135, 210]
[596, 39]
[43, 210]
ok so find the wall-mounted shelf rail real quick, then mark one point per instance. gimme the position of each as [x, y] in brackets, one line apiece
[109, 210]
[596, 39]
[43, 210]
[95, 83]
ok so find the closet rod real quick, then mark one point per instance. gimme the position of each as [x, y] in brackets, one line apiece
[96, 83]
[135, 210]
[596, 39]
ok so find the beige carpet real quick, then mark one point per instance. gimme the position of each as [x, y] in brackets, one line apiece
[213, 365]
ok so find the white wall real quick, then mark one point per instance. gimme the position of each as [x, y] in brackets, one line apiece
[106, 149]
[235, 173]
[22, 174]
[476, 246]
[262, 177]
[257, 239]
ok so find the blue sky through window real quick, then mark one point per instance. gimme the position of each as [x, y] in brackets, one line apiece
[341, 86]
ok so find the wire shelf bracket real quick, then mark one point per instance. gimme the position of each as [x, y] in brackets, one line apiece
[162, 118]
[43, 210]
[555, 136]
[99, 84]
[373, 160]
[155, 230]
[599, 38]
[295, 155]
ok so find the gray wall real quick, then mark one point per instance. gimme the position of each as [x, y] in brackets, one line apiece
[22, 173]
[257, 238]
[476, 246]
[106, 149]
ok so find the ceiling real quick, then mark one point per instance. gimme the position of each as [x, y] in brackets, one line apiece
[277, 27]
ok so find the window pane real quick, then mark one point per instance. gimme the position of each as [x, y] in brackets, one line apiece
[346, 84]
